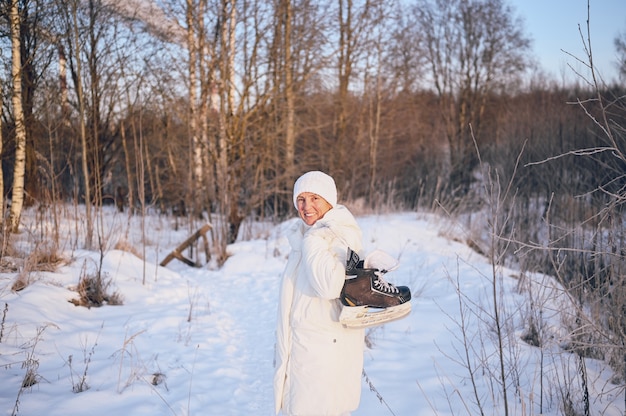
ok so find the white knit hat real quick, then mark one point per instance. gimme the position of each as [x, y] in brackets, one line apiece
[318, 183]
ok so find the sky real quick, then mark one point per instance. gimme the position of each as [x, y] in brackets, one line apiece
[554, 27]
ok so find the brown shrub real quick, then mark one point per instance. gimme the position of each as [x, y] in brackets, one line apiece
[93, 290]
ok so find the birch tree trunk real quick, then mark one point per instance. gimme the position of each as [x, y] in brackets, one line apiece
[17, 200]
[229, 12]
[195, 170]
[208, 104]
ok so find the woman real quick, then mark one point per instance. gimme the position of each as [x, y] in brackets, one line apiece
[318, 362]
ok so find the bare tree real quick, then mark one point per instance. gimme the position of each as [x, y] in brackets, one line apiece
[471, 48]
[603, 273]
[298, 54]
[194, 15]
[376, 87]
[34, 62]
[285, 71]
[17, 199]
[78, 83]
[348, 26]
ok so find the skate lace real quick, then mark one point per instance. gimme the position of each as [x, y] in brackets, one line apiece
[384, 286]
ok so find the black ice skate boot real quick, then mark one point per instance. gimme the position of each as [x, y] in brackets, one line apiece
[368, 299]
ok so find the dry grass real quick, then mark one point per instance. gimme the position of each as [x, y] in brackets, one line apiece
[124, 245]
[44, 258]
[94, 291]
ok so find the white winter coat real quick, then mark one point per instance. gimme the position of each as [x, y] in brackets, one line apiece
[318, 362]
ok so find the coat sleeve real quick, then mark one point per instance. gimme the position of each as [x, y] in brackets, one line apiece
[325, 259]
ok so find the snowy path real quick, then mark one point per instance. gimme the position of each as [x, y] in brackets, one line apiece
[239, 332]
[235, 340]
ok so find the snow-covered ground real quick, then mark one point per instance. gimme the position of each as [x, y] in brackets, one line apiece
[199, 341]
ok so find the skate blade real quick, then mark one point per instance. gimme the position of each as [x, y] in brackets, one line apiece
[365, 317]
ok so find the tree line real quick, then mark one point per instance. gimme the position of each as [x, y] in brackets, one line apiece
[212, 107]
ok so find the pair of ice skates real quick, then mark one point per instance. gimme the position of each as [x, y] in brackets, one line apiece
[367, 299]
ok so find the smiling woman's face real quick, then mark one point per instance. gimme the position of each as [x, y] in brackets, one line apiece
[311, 207]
